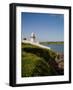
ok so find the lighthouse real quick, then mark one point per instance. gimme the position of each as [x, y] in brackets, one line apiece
[33, 37]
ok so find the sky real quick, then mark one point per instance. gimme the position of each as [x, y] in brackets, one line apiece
[46, 26]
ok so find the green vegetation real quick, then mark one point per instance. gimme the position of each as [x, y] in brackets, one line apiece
[59, 42]
[37, 61]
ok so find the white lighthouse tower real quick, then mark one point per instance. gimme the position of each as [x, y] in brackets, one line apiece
[33, 37]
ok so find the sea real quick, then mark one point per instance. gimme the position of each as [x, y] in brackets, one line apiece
[56, 47]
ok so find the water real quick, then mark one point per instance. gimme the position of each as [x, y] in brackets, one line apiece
[56, 47]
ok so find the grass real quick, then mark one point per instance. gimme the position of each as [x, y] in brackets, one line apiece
[37, 61]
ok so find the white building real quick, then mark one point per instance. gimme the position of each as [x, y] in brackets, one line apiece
[33, 40]
[33, 37]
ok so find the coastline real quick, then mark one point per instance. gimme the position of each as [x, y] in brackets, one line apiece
[53, 42]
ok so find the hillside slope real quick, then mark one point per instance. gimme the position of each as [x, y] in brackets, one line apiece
[38, 61]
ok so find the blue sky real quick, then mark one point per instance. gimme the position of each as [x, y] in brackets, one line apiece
[48, 27]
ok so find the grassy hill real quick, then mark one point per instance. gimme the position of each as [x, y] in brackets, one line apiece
[38, 61]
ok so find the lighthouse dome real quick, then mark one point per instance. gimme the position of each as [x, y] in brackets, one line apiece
[33, 35]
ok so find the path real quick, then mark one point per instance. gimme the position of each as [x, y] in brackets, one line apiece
[37, 44]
